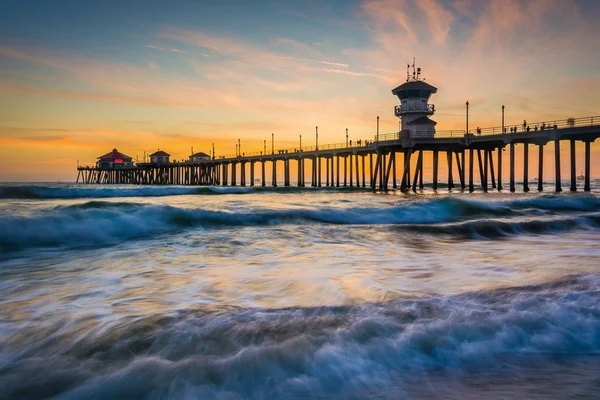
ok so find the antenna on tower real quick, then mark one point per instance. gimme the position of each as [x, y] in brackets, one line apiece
[407, 72]
[418, 73]
[414, 71]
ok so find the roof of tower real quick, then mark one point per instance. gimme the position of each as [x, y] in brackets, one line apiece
[419, 85]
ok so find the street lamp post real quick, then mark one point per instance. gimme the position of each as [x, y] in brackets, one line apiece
[213, 152]
[265, 147]
[272, 143]
[239, 148]
[378, 128]
[503, 131]
[467, 130]
[346, 137]
[300, 142]
[316, 138]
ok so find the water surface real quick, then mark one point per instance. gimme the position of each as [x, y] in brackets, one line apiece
[251, 293]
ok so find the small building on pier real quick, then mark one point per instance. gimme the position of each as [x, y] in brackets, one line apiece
[114, 159]
[160, 157]
[198, 157]
[414, 109]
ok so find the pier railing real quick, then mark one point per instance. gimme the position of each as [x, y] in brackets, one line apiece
[439, 134]
[538, 126]
[414, 107]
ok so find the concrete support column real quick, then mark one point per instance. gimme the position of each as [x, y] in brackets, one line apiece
[512, 167]
[492, 174]
[526, 167]
[461, 172]
[587, 187]
[345, 170]
[500, 151]
[375, 172]
[387, 172]
[573, 167]
[319, 171]
[327, 172]
[394, 184]
[370, 168]
[363, 171]
[406, 171]
[417, 170]
[357, 169]
[471, 187]
[540, 167]
[243, 173]
[486, 155]
[263, 180]
[337, 169]
[420, 169]
[450, 177]
[382, 171]
[557, 178]
[350, 161]
[274, 177]
[251, 173]
[233, 173]
[435, 169]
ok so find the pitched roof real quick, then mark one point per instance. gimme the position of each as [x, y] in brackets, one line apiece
[422, 121]
[115, 155]
[419, 85]
[160, 153]
[200, 154]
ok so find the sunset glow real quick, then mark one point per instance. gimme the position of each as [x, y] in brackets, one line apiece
[79, 79]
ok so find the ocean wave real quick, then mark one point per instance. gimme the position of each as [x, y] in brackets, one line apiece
[341, 352]
[101, 222]
[86, 192]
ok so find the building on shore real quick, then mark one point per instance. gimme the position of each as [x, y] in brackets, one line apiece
[114, 159]
[160, 157]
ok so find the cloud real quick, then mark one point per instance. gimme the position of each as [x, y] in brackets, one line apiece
[172, 50]
[354, 73]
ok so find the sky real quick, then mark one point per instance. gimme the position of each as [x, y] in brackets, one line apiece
[79, 78]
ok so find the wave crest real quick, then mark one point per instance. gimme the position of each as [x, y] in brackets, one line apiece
[101, 222]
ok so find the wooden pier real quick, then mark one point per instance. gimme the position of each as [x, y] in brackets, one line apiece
[348, 165]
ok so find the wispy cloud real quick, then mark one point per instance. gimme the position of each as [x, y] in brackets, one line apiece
[171, 50]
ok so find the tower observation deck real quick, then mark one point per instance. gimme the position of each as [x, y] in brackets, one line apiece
[414, 109]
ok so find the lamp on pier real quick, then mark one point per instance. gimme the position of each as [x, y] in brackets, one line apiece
[467, 127]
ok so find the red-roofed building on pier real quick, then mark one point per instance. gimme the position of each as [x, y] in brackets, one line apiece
[114, 159]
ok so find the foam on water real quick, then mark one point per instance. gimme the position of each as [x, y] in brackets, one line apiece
[100, 222]
[304, 352]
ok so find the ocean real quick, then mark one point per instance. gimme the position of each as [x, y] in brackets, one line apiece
[167, 292]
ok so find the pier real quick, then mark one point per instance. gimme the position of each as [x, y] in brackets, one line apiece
[476, 154]
[377, 163]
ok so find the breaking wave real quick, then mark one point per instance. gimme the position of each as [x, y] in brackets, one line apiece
[101, 222]
[86, 192]
[354, 351]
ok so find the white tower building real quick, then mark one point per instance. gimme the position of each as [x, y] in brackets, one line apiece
[414, 109]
